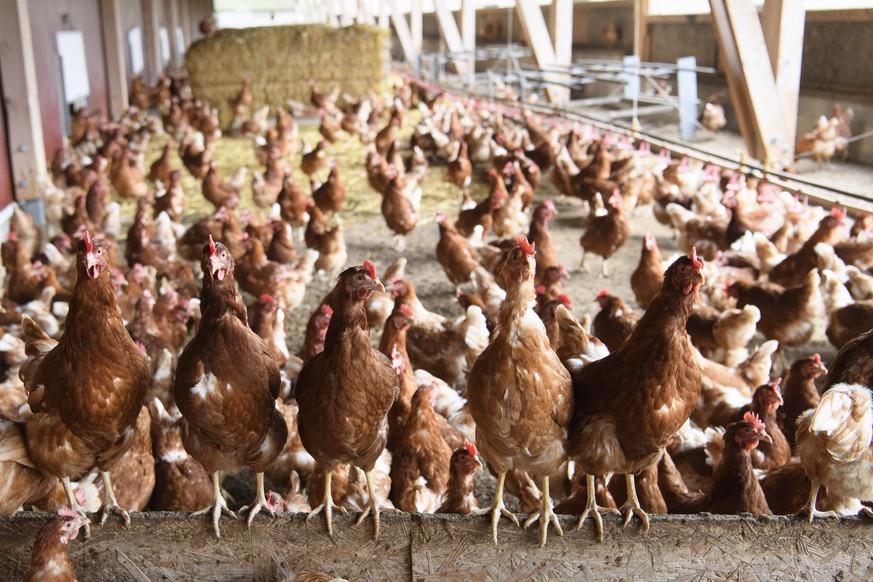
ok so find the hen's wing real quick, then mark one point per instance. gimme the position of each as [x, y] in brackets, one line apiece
[843, 422]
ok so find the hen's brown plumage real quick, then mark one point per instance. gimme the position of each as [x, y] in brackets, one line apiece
[460, 492]
[646, 278]
[735, 488]
[799, 393]
[420, 453]
[87, 391]
[226, 385]
[606, 233]
[181, 483]
[629, 403]
[614, 322]
[345, 392]
[50, 557]
[519, 393]
[454, 253]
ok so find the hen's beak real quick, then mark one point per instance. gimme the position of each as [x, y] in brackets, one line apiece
[219, 270]
[764, 437]
[92, 267]
[377, 285]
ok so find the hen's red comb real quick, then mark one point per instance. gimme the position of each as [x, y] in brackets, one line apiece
[371, 268]
[406, 310]
[564, 299]
[266, 298]
[211, 246]
[838, 212]
[89, 247]
[548, 203]
[67, 512]
[694, 261]
[528, 248]
[471, 448]
[602, 293]
[326, 309]
[774, 385]
[817, 359]
[753, 419]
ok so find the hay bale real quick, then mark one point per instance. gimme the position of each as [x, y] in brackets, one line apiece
[280, 61]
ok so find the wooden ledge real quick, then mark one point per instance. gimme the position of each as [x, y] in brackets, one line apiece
[170, 546]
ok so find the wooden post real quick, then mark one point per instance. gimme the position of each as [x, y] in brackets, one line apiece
[185, 23]
[468, 35]
[534, 26]
[363, 15]
[451, 35]
[171, 18]
[152, 40]
[561, 29]
[24, 124]
[415, 26]
[750, 78]
[401, 27]
[116, 66]
[383, 17]
[641, 29]
[783, 24]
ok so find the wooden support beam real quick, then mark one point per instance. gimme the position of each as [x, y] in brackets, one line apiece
[171, 19]
[401, 27]
[152, 40]
[783, 22]
[534, 26]
[750, 78]
[116, 65]
[415, 26]
[383, 18]
[468, 33]
[21, 99]
[451, 35]
[363, 15]
[185, 23]
[561, 29]
[641, 29]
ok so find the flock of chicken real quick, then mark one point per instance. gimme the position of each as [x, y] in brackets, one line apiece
[671, 397]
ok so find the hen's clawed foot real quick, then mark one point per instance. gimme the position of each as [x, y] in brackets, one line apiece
[546, 515]
[327, 508]
[632, 507]
[217, 508]
[110, 504]
[259, 504]
[810, 513]
[110, 508]
[219, 505]
[630, 510]
[499, 508]
[593, 508]
[372, 507]
[327, 505]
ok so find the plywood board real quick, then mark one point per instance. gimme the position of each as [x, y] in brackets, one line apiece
[160, 546]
